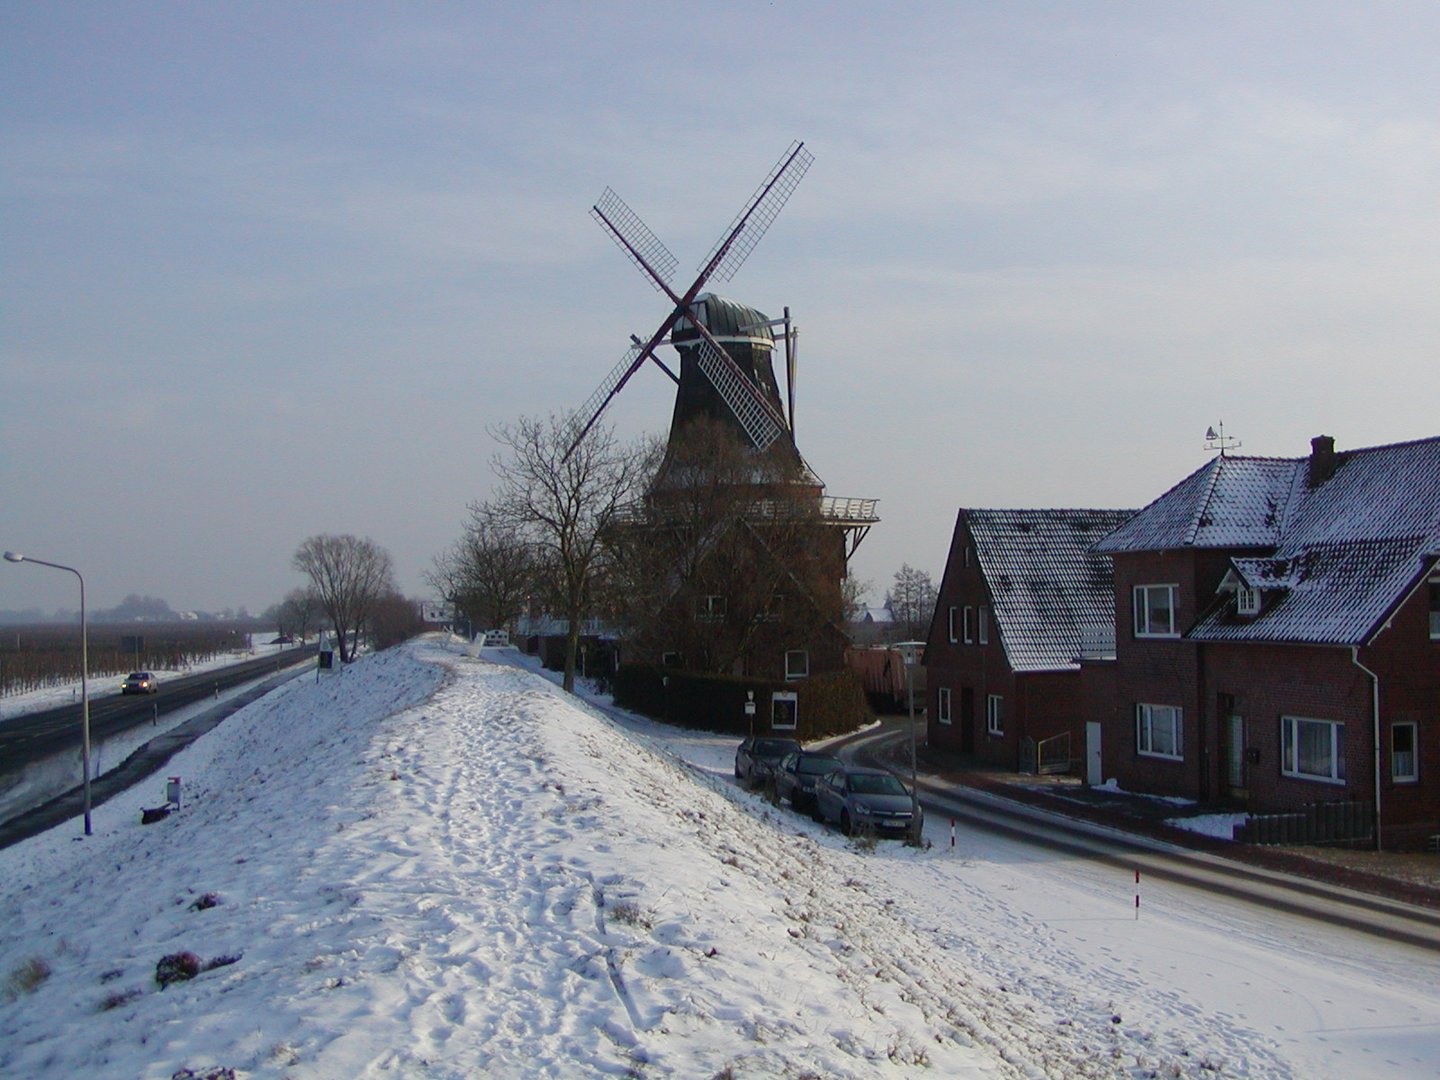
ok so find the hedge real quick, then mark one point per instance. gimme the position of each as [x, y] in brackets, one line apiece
[829, 703]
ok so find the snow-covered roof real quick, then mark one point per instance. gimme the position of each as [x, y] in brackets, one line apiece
[1334, 550]
[1229, 502]
[1045, 585]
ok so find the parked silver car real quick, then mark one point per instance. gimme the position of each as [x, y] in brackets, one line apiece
[868, 801]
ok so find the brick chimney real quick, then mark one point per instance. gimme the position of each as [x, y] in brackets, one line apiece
[1322, 459]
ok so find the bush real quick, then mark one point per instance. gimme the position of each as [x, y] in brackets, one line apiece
[176, 967]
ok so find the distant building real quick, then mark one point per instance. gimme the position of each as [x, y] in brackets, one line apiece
[872, 626]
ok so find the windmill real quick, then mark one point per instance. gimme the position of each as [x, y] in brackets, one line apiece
[725, 369]
[725, 347]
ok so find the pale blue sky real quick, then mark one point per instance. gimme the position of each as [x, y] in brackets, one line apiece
[271, 270]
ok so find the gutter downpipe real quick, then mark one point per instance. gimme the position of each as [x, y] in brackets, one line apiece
[1375, 721]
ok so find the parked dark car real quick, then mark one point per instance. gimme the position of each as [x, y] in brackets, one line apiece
[868, 801]
[797, 772]
[139, 682]
[757, 756]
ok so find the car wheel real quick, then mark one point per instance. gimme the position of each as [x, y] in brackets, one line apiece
[845, 825]
[737, 773]
[815, 814]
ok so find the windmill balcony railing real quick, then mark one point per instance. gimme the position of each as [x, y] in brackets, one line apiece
[835, 510]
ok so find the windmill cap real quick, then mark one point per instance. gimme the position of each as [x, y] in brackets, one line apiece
[727, 320]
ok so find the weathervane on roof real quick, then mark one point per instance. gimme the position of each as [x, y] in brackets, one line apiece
[1220, 442]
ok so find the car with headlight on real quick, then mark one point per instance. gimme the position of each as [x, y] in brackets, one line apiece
[797, 772]
[868, 801]
[139, 682]
[757, 756]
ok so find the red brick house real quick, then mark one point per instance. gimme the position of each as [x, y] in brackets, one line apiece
[1278, 638]
[1021, 600]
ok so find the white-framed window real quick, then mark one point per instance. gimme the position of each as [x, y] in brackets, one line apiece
[1158, 731]
[969, 625]
[1404, 755]
[1312, 749]
[670, 659]
[950, 625]
[710, 608]
[797, 664]
[784, 710]
[1435, 608]
[1247, 601]
[995, 714]
[1155, 610]
[942, 705]
[984, 617]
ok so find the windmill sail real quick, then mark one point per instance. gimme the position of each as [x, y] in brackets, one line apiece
[733, 383]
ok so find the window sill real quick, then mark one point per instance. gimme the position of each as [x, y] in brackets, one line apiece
[1312, 779]
[1160, 757]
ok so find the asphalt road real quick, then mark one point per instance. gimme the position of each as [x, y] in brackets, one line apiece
[143, 762]
[38, 735]
[1390, 919]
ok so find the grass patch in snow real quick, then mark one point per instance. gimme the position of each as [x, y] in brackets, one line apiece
[26, 978]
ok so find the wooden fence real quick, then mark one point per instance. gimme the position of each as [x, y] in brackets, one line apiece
[1347, 823]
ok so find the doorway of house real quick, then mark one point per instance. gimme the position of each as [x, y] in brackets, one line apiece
[1094, 767]
[1235, 782]
[967, 719]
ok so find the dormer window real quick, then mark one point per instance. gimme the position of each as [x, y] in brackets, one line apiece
[1247, 601]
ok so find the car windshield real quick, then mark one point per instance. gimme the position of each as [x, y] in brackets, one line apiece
[137, 675]
[876, 784]
[818, 765]
[772, 747]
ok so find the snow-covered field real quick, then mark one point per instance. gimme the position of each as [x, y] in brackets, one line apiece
[436, 865]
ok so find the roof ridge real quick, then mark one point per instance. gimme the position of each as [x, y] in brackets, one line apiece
[1217, 465]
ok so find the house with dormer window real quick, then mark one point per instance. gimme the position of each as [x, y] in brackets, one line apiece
[1278, 638]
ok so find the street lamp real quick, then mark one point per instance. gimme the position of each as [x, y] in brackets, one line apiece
[910, 653]
[16, 557]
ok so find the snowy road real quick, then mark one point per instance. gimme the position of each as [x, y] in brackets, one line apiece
[1155, 860]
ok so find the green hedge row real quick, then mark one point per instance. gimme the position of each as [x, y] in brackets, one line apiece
[830, 703]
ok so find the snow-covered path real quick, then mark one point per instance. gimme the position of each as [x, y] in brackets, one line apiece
[432, 865]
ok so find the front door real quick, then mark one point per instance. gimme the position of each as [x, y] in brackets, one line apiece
[1094, 769]
[1235, 756]
[967, 720]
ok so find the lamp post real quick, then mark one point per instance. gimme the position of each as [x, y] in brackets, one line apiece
[16, 557]
[910, 653]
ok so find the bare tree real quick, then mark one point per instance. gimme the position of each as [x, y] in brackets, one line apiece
[488, 573]
[350, 575]
[564, 503]
[296, 614]
[394, 620]
[911, 602]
